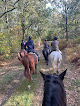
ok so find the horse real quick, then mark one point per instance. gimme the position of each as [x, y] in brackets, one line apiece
[45, 53]
[55, 58]
[29, 61]
[54, 92]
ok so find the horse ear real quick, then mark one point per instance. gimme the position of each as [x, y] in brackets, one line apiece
[61, 76]
[43, 75]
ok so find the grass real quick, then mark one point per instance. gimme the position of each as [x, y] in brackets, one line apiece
[22, 96]
[7, 78]
[77, 84]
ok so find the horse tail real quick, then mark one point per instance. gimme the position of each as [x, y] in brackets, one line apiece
[54, 58]
[19, 56]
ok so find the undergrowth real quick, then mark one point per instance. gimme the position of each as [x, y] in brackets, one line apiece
[23, 96]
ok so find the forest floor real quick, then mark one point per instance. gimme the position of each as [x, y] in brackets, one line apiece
[71, 83]
[12, 72]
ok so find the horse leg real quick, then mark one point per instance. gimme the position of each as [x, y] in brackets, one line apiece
[58, 66]
[35, 68]
[47, 58]
[54, 66]
[19, 57]
[30, 76]
[27, 75]
[26, 72]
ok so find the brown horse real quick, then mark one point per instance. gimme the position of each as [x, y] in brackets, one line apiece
[29, 61]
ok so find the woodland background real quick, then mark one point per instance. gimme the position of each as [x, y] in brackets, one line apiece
[22, 18]
[40, 19]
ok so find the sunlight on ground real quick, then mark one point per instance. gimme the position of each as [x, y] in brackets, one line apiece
[4, 63]
[43, 69]
[16, 81]
[16, 68]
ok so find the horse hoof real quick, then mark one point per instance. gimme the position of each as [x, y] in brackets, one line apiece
[31, 78]
[57, 72]
[29, 87]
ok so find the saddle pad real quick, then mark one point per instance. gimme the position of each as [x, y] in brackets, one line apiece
[32, 53]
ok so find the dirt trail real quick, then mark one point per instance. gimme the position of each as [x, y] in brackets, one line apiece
[10, 79]
[71, 82]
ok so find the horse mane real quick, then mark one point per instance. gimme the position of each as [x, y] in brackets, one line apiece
[52, 93]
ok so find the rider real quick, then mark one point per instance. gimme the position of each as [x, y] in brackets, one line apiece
[46, 50]
[22, 44]
[30, 46]
[45, 44]
[55, 44]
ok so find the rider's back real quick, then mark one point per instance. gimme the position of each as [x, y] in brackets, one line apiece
[30, 45]
[55, 45]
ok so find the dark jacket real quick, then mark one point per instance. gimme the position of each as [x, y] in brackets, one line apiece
[22, 45]
[45, 45]
[30, 46]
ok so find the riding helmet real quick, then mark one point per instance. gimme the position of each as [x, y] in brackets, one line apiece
[55, 38]
[30, 37]
[45, 39]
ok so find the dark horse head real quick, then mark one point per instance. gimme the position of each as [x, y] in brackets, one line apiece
[54, 93]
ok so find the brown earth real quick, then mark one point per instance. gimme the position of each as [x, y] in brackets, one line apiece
[71, 81]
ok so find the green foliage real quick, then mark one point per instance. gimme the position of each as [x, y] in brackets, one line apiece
[7, 56]
[77, 40]
[4, 46]
[33, 18]
[50, 34]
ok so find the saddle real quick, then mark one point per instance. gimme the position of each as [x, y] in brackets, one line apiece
[55, 50]
[33, 53]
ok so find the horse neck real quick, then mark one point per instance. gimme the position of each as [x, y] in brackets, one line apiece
[53, 96]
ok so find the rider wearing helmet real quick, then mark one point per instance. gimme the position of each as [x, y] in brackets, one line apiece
[55, 44]
[22, 44]
[45, 44]
[30, 46]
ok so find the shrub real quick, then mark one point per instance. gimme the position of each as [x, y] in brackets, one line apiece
[62, 44]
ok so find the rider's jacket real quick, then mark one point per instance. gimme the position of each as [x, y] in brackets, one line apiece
[55, 45]
[30, 45]
[22, 45]
[46, 45]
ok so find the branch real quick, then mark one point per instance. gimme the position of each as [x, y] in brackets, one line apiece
[10, 10]
[7, 11]
[16, 2]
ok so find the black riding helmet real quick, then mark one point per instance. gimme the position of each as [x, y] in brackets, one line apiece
[55, 38]
[45, 39]
[22, 40]
[30, 37]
